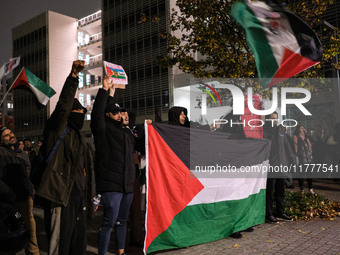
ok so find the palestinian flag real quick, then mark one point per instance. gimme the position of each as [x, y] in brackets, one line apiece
[283, 45]
[187, 207]
[9, 66]
[40, 89]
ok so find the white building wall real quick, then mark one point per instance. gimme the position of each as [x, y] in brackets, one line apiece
[62, 51]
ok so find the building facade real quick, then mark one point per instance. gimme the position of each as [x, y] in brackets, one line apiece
[131, 38]
[47, 45]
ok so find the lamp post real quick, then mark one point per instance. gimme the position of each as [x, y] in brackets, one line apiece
[335, 29]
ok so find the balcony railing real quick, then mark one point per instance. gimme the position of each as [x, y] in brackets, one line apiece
[89, 19]
[94, 60]
[92, 39]
[91, 85]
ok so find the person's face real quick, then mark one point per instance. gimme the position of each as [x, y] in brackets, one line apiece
[182, 118]
[39, 144]
[21, 145]
[27, 144]
[115, 116]
[125, 117]
[273, 117]
[302, 130]
[8, 138]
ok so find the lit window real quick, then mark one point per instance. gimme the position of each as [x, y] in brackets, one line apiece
[81, 80]
[87, 39]
[80, 38]
[81, 98]
[88, 79]
[88, 100]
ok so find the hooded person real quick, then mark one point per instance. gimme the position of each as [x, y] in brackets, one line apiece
[114, 167]
[77, 115]
[178, 116]
[68, 179]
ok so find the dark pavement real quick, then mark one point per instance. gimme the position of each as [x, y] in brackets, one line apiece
[297, 237]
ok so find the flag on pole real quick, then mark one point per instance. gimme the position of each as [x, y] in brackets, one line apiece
[40, 89]
[9, 66]
[186, 208]
[283, 45]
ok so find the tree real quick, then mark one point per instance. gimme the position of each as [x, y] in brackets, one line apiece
[209, 31]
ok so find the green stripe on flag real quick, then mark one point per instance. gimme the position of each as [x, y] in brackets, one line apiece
[257, 40]
[204, 223]
[39, 84]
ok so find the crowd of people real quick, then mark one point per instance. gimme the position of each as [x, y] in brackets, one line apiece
[66, 173]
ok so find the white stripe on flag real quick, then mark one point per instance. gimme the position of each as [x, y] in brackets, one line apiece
[226, 189]
[282, 37]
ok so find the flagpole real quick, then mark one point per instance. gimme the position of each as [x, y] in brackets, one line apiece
[5, 96]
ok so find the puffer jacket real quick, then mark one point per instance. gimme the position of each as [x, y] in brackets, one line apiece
[114, 165]
[59, 175]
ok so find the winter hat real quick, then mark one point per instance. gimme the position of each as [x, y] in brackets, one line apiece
[2, 130]
[77, 105]
[112, 107]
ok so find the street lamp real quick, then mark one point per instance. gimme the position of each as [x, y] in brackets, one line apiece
[335, 29]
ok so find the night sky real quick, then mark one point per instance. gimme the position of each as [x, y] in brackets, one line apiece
[16, 12]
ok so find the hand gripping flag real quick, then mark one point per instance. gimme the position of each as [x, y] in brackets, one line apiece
[186, 208]
[40, 89]
[283, 45]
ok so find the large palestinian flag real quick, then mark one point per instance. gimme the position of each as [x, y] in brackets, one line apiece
[187, 207]
[283, 45]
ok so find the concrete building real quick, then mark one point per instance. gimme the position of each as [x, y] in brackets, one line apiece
[131, 39]
[125, 33]
[90, 50]
[47, 45]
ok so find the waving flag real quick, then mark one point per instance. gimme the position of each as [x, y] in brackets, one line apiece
[40, 89]
[186, 208]
[9, 66]
[283, 45]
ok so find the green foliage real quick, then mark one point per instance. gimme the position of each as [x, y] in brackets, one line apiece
[309, 206]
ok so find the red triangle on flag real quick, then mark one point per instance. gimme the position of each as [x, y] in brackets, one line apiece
[109, 72]
[21, 80]
[292, 63]
[170, 188]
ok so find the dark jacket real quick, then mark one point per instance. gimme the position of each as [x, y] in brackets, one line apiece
[14, 180]
[59, 176]
[281, 152]
[23, 155]
[114, 167]
[304, 150]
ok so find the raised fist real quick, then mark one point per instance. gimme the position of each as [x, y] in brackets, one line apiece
[77, 66]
